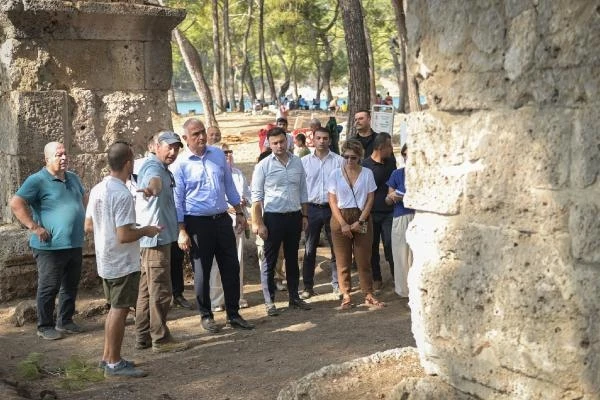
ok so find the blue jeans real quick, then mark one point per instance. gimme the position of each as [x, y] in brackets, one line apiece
[382, 230]
[59, 272]
[318, 217]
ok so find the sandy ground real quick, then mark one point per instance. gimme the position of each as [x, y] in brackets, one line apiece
[233, 364]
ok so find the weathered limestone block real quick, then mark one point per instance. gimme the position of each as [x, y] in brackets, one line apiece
[18, 281]
[486, 290]
[90, 20]
[83, 106]
[584, 227]
[24, 312]
[585, 150]
[523, 40]
[83, 73]
[94, 167]
[338, 380]
[158, 66]
[133, 116]
[15, 246]
[505, 283]
[445, 158]
[427, 388]
[38, 117]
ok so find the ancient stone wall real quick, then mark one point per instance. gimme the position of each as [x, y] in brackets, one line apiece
[504, 170]
[83, 73]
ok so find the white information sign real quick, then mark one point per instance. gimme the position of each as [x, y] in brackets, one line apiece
[382, 118]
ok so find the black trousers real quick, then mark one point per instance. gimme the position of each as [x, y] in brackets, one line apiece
[213, 237]
[318, 218]
[284, 228]
[177, 257]
[382, 230]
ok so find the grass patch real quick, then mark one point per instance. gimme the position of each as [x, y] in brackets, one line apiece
[78, 373]
[30, 368]
[74, 375]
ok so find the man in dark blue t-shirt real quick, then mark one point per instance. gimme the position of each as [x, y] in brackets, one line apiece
[402, 217]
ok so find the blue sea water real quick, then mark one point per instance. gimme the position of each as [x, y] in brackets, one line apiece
[185, 107]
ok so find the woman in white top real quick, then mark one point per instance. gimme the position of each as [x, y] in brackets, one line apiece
[351, 193]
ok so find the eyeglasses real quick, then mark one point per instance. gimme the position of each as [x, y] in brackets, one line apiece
[228, 151]
[346, 156]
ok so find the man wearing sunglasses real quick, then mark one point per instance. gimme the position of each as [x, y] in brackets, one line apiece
[155, 206]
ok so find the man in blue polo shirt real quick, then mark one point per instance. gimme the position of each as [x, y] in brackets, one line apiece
[402, 217]
[51, 204]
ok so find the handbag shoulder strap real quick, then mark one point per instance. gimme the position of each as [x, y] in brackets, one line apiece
[347, 178]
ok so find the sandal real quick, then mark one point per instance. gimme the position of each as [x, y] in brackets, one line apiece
[372, 301]
[346, 303]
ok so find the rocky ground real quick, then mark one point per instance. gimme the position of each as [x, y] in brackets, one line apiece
[233, 364]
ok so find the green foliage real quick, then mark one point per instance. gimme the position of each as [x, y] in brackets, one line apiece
[78, 373]
[30, 369]
[296, 27]
[74, 375]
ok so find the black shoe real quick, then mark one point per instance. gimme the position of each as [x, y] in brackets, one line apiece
[239, 322]
[299, 304]
[180, 301]
[210, 325]
[272, 311]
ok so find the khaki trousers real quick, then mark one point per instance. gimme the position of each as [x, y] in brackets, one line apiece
[154, 298]
[402, 253]
[343, 248]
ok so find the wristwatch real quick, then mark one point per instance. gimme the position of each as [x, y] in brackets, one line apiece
[362, 222]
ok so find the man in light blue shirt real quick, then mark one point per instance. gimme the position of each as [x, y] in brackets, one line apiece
[203, 187]
[279, 190]
[155, 206]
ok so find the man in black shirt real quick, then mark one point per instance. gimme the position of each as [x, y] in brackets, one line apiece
[364, 133]
[382, 163]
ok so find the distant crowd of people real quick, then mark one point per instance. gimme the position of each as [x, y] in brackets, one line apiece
[187, 196]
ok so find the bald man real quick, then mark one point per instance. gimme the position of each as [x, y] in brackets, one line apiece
[51, 204]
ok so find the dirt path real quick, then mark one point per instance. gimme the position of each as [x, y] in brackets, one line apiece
[233, 364]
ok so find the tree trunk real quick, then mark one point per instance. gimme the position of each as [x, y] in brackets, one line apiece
[411, 95]
[171, 101]
[358, 60]
[193, 64]
[245, 65]
[403, 89]
[228, 56]
[250, 82]
[286, 72]
[327, 67]
[261, 46]
[373, 92]
[216, 83]
[270, 81]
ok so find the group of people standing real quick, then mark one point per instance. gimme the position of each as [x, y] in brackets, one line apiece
[195, 201]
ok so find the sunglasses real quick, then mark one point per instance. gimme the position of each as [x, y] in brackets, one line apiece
[346, 157]
[228, 151]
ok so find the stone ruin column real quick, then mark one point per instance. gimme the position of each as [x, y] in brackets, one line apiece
[85, 73]
[504, 172]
